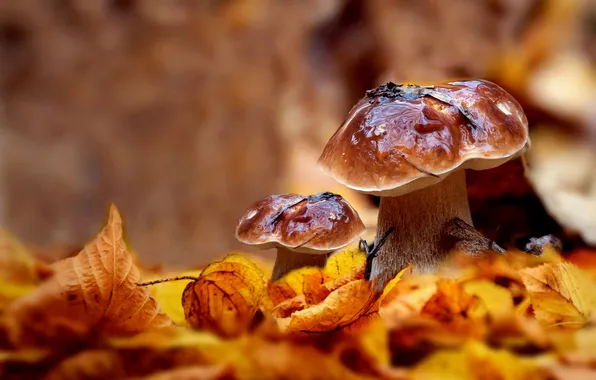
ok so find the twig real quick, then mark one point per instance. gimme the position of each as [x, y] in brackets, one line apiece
[167, 280]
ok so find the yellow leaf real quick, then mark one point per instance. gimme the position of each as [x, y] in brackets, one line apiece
[16, 264]
[18, 274]
[496, 300]
[95, 291]
[169, 294]
[306, 280]
[393, 283]
[476, 361]
[442, 365]
[344, 262]
[562, 295]
[225, 297]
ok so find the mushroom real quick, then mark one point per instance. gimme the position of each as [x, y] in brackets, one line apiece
[410, 145]
[304, 229]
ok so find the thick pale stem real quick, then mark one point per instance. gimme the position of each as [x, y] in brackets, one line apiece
[418, 218]
[287, 260]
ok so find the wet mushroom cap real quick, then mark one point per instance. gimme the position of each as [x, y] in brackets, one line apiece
[316, 224]
[398, 139]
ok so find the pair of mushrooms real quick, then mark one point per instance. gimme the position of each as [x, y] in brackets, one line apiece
[409, 145]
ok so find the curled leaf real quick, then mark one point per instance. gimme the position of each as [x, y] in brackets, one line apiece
[93, 292]
[334, 312]
[350, 298]
[225, 297]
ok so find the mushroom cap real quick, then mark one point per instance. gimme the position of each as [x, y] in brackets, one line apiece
[398, 139]
[316, 224]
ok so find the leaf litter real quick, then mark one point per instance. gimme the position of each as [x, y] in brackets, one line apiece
[514, 316]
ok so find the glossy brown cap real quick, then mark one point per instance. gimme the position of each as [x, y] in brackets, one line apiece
[398, 139]
[319, 223]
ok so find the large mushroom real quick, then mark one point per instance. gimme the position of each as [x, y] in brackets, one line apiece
[410, 145]
[304, 229]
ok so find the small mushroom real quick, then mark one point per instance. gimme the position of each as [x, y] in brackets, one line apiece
[304, 229]
[410, 145]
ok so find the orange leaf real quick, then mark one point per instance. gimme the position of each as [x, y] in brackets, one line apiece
[342, 307]
[308, 281]
[450, 306]
[407, 297]
[94, 291]
[225, 297]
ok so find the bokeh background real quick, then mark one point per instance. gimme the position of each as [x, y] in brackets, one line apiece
[185, 112]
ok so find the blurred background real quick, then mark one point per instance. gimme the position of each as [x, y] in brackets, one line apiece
[185, 112]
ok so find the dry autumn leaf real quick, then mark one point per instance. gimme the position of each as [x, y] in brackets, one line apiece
[562, 295]
[407, 297]
[452, 306]
[344, 262]
[310, 280]
[476, 361]
[335, 311]
[495, 301]
[225, 297]
[94, 292]
[169, 294]
[18, 273]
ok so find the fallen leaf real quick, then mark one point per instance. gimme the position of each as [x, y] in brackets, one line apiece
[407, 297]
[334, 312]
[94, 292]
[310, 280]
[225, 297]
[307, 280]
[285, 360]
[18, 274]
[562, 295]
[215, 372]
[476, 361]
[496, 301]
[344, 262]
[16, 264]
[451, 305]
[169, 294]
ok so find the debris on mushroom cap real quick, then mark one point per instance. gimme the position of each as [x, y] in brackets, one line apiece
[318, 223]
[400, 138]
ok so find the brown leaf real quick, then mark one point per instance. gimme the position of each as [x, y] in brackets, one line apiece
[93, 292]
[225, 297]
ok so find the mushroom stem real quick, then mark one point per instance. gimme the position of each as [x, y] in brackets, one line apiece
[418, 219]
[288, 260]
